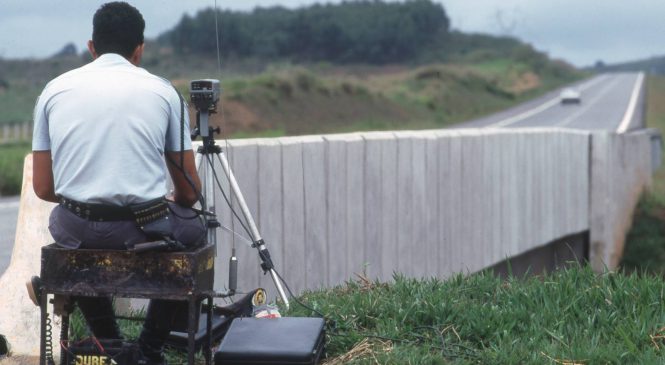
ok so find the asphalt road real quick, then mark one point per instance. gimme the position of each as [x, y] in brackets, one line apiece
[8, 217]
[608, 101]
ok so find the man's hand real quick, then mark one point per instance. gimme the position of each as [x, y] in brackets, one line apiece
[42, 176]
[183, 192]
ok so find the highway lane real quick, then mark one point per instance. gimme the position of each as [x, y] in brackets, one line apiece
[607, 101]
[8, 218]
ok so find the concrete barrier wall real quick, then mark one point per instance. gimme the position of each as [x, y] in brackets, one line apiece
[424, 204]
[620, 170]
[19, 317]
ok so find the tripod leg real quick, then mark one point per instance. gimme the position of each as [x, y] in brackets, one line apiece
[206, 174]
[253, 230]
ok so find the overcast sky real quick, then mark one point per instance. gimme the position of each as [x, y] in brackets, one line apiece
[579, 31]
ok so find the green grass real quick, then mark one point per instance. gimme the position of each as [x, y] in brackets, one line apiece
[11, 167]
[645, 244]
[573, 314]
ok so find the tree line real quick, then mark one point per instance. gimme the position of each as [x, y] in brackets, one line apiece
[354, 31]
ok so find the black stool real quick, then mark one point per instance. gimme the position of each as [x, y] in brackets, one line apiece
[186, 275]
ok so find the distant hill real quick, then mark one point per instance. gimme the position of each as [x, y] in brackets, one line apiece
[653, 66]
[362, 65]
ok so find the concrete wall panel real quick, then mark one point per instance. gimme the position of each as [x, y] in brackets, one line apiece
[270, 218]
[380, 194]
[432, 212]
[336, 202]
[494, 185]
[373, 195]
[316, 248]
[516, 191]
[243, 158]
[355, 204]
[527, 201]
[390, 209]
[619, 173]
[445, 180]
[456, 199]
[405, 184]
[421, 248]
[472, 195]
[293, 213]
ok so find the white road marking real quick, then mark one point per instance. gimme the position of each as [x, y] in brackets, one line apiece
[589, 104]
[546, 105]
[625, 122]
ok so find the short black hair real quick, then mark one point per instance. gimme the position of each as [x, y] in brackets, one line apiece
[117, 27]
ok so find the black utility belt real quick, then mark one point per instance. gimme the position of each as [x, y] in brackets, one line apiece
[141, 213]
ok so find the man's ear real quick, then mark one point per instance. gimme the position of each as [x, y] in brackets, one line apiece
[135, 59]
[91, 49]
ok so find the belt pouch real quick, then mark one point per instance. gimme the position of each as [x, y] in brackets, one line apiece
[152, 218]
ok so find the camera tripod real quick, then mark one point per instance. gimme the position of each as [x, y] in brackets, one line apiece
[204, 97]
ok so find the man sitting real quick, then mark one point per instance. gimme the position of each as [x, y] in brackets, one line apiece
[102, 133]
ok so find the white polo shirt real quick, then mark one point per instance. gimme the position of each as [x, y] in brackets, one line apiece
[107, 125]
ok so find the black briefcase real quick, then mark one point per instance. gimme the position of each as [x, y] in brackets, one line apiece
[272, 341]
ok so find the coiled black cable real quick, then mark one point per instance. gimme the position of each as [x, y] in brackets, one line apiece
[48, 347]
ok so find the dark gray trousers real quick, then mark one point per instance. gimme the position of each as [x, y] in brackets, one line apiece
[72, 231]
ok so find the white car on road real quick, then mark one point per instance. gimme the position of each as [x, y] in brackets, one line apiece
[570, 96]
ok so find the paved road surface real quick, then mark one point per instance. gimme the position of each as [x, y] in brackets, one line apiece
[8, 217]
[605, 101]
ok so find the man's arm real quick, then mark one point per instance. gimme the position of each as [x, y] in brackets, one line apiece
[184, 194]
[42, 176]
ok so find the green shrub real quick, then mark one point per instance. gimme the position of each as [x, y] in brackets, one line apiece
[11, 167]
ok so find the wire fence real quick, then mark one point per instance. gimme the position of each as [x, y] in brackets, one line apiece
[15, 132]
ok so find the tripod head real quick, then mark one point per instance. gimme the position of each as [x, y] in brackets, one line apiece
[204, 94]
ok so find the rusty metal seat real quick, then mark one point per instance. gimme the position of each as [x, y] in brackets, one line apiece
[186, 275]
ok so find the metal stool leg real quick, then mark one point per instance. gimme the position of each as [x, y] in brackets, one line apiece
[191, 330]
[208, 348]
[64, 337]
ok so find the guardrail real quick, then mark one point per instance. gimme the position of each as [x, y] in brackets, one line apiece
[13, 132]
